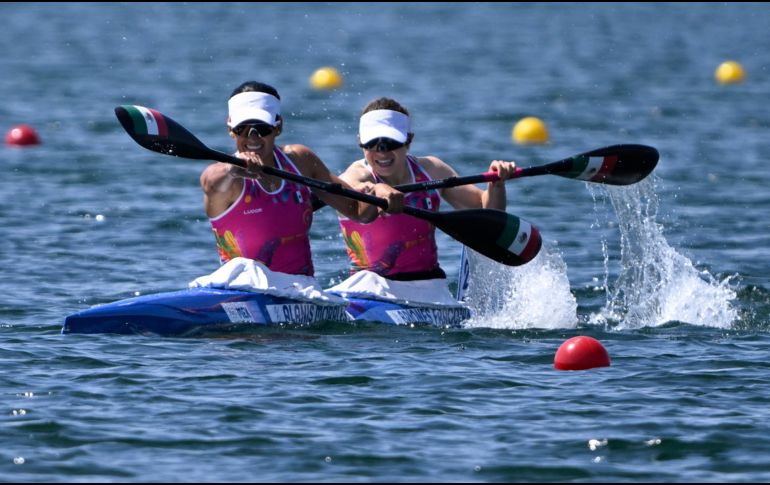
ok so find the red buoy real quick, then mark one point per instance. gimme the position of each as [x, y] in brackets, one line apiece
[21, 135]
[581, 353]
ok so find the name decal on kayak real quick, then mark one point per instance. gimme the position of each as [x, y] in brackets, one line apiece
[242, 312]
[305, 313]
[436, 316]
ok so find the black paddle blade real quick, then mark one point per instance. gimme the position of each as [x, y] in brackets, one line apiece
[613, 165]
[160, 133]
[496, 234]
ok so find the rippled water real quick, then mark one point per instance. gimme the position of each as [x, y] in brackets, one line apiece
[670, 274]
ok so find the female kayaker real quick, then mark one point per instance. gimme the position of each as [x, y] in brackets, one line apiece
[398, 246]
[266, 218]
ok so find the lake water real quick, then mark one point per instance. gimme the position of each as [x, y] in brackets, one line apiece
[670, 274]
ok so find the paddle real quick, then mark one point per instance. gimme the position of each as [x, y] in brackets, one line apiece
[496, 234]
[612, 165]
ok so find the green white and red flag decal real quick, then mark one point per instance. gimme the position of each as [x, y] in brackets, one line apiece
[594, 169]
[147, 121]
[520, 237]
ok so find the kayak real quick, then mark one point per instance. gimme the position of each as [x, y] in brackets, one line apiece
[245, 292]
[200, 309]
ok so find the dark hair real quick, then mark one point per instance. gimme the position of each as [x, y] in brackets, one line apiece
[256, 87]
[384, 103]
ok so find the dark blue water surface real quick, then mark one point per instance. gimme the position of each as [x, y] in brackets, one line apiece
[671, 274]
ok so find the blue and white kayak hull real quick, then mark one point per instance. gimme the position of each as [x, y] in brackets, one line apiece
[194, 309]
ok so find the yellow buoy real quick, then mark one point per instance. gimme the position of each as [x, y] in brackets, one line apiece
[530, 130]
[326, 78]
[729, 72]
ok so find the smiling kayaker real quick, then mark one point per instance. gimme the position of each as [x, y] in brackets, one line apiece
[397, 246]
[265, 218]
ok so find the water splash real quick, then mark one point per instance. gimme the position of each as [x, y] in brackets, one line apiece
[535, 295]
[656, 284]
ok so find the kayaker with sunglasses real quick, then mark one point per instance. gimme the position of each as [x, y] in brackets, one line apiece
[398, 246]
[265, 218]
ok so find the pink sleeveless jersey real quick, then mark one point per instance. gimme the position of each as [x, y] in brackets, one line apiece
[270, 227]
[396, 243]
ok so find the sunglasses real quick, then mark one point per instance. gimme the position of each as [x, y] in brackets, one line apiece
[382, 145]
[247, 129]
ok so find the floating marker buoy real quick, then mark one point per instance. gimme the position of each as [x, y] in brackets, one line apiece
[729, 72]
[326, 78]
[530, 130]
[21, 135]
[581, 353]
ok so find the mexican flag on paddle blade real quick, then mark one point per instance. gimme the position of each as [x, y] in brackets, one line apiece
[521, 238]
[591, 168]
[147, 121]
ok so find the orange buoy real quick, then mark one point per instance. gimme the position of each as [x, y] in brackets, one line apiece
[21, 135]
[581, 353]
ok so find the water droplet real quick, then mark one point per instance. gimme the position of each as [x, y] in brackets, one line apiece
[595, 444]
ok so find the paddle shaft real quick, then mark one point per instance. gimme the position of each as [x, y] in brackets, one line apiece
[448, 182]
[474, 179]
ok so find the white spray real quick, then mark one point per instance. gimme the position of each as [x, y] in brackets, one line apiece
[535, 295]
[656, 284]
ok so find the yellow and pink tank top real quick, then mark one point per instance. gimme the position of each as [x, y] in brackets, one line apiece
[270, 227]
[396, 244]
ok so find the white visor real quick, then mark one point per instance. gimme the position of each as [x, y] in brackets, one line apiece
[252, 105]
[383, 123]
